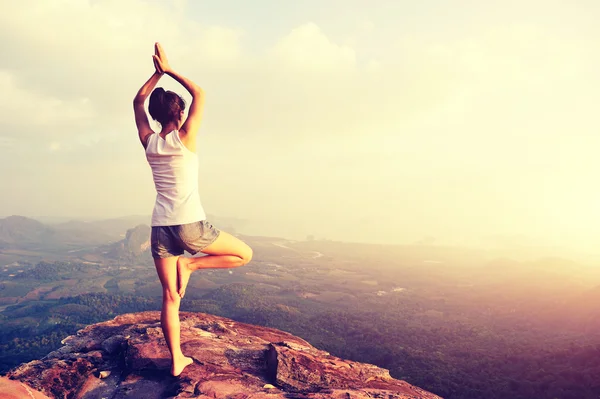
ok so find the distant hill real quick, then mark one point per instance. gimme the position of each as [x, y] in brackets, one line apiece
[582, 311]
[115, 228]
[20, 232]
[122, 239]
[134, 247]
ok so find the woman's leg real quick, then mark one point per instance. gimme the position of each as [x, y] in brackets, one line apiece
[225, 253]
[169, 315]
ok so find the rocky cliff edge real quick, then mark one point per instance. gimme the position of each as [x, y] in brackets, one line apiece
[127, 358]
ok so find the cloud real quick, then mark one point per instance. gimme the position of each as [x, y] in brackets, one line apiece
[365, 26]
[42, 112]
[54, 146]
[6, 142]
[90, 57]
[219, 45]
[308, 48]
[82, 75]
[304, 86]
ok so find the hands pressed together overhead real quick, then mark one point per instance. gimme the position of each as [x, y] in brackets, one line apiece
[191, 125]
[162, 66]
[160, 60]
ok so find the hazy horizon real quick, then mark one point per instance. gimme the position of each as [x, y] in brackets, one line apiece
[456, 124]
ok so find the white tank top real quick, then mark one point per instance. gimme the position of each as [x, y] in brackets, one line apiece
[175, 173]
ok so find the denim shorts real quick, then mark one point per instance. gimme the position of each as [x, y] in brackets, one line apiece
[168, 241]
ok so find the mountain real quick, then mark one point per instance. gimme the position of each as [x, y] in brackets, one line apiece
[135, 245]
[113, 228]
[19, 232]
[102, 238]
[128, 357]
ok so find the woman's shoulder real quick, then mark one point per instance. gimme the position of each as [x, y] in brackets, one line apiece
[184, 141]
[149, 139]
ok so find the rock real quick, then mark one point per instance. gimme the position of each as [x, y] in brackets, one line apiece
[231, 361]
[104, 374]
[307, 369]
[17, 390]
[113, 344]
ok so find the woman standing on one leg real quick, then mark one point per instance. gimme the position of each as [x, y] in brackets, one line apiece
[178, 220]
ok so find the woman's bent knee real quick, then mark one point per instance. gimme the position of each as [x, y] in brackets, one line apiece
[226, 244]
[245, 255]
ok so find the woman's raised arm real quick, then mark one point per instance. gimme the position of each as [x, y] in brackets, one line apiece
[190, 127]
[141, 118]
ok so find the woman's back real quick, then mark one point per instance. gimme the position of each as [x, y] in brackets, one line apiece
[175, 174]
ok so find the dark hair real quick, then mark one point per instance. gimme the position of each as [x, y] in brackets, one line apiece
[165, 106]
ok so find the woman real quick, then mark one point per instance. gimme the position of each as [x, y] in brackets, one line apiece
[178, 220]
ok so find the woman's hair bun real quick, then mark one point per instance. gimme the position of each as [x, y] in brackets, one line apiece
[158, 95]
[164, 106]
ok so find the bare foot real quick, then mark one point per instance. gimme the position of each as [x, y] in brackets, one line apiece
[183, 275]
[179, 364]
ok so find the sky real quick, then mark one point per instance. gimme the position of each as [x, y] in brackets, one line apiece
[452, 122]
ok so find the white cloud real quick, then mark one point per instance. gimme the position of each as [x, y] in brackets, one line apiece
[220, 46]
[70, 69]
[19, 107]
[308, 48]
[365, 26]
[7, 142]
[54, 146]
[373, 66]
[180, 5]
